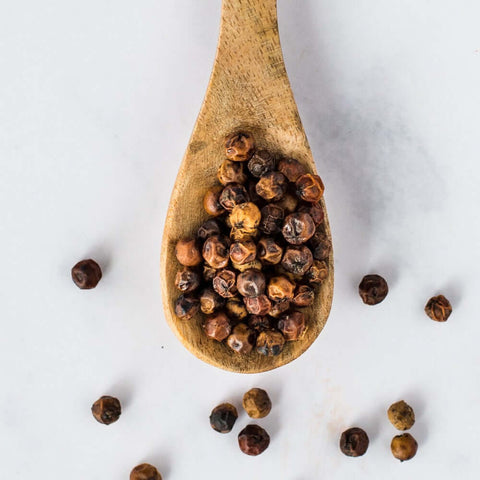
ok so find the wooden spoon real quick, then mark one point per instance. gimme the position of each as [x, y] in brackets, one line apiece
[248, 90]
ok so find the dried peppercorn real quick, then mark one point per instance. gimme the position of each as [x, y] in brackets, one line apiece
[321, 245]
[188, 253]
[242, 339]
[354, 442]
[251, 283]
[278, 308]
[216, 251]
[187, 280]
[86, 274]
[257, 403]
[261, 163]
[288, 202]
[242, 234]
[317, 273]
[303, 296]
[253, 440]
[107, 410]
[233, 194]
[315, 210]
[224, 283]
[236, 308]
[297, 259]
[245, 217]
[280, 288]
[209, 228]
[258, 323]
[223, 418]
[260, 305]
[292, 325]
[269, 251]
[209, 272]
[186, 306]
[239, 147]
[243, 252]
[272, 219]
[298, 228]
[401, 415]
[270, 343]
[210, 301]
[438, 308]
[272, 186]
[373, 289]
[217, 326]
[291, 168]
[310, 188]
[231, 172]
[211, 201]
[404, 447]
[145, 471]
[242, 267]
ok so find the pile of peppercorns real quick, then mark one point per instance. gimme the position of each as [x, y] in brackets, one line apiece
[259, 259]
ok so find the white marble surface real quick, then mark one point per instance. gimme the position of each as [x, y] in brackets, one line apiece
[97, 102]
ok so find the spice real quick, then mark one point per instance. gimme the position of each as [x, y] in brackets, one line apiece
[188, 253]
[86, 274]
[186, 306]
[257, 403]
[288, 202]
[272, 219]
[270, 343]
[315, 210]
[187, 280]
[253, 440]
[291, 168]
[269, 251]
[217, 326]
[211, 201]
[245, 217]
[210, 301]
[107, 410]
[224, 283]
[310, 188]
[242, 267]
[292, 325]
[259, 323]
[297, 259]
[209, 228]
[298, 228]
[251, 283]
[404, 447]
[223, 418]
[303, 296]
[401, 415]
[209, 272]
[236, 308]
[231, 172]
[317, 273]
[354, 442]
[261, 163]
[260, 305]
[239, 147]
[438, 308]
[145, 471]
[278, 308]
[280, 288]
[242, 339]
[243, 252]
[216, 251]
[233, 194]
[272, 186]
[373, 289]
[321, 245]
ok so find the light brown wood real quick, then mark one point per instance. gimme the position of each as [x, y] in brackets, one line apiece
[249, 90]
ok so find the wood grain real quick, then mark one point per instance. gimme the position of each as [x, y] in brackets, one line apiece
[249, 90]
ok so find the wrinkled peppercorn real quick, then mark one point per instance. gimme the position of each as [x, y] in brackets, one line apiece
[256, 264]
[210, 301]
[187, 280]
[224, 283]
[257, 403]
[317, 273]
[233, 194]
[272, 219]
[288, 202]
[401, 415]
[252, 193]
[261, 163]
[217, 326]
[209, 228]
[270, 343]
[278, 308]
[216, 251]
[188, 253]
[186, 306]
[258, 323]
[231, 172]
[242, 339]
[236, 308]
[291, 168]
[310, 188]
[269, 251]
[223, 418]
[251, 283]
[298, 228]
[292, 325]
[321, 245]
[260, 305]
[272, 186]
[438, 308]
[211, 201]
[280, 288]
[297, 259]
[245, 217]
[253, 440]
[86, 274]
[243, 252]
[145, 471]
[354, 442]
[315, 211]
[209, 272]
[107, 410]
[303, 296]
[239, 147]
[373, 289]
[404, 447]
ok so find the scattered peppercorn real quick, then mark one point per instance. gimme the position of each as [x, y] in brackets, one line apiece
[257, 403]
[401, 415]
[223, 418]
[211, 201]
[86, 274]
[438, 308]
[239, 147]
[188, 253]
[253, 440]
[231, 172]
[261, 163]
[272, 186]
[310, 187]
[187, 280]
[107, 410]
[270, 343]
[373, 289]
[145, 471]
[292, 325]
[298, 228]
[354, 442]
[404, 447]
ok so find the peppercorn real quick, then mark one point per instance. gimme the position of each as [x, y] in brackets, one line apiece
[401, 415]
[236, 308]
[243, 252]
[216, 251]
[223, 418]
[292, 325]
[321, 245]
[107, 410]
[260, 305]
[188, 253]
[224, 283]
[211, 201]
[256, 264]
[253, 440]
[404, 447]
[269, 251]
[210, 301]
[438, 308]
[231, 172]
[310, 188]
[278, 308]
[272, 186]
[186, 306]
[242, 339]
[288, 202]
[272, 219]
[373, 289]
[297, 259]
[245, 217]
[270, 343]
[280, 288]
[209, 272]
[233, 194]
[86, 274]
[145, 471]
[261, 163]
[252, 193]
[242, 234]
[315, 210]
[251, 283]
[258, 323]
[291, 168]
[317, 273]
[298, 228]
[257, 403]
[209, 228]
[239, 147]
[303, 296]
[354, 442]
[187, 280]
[217, 326]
